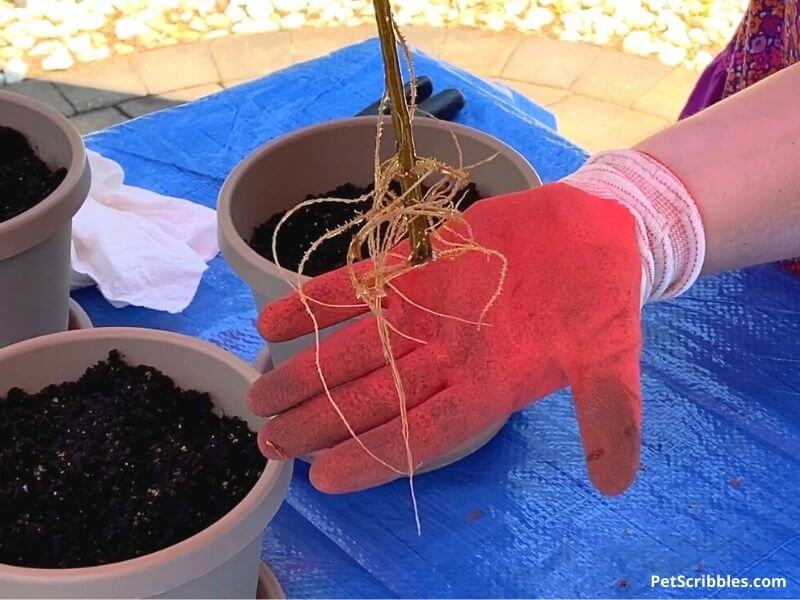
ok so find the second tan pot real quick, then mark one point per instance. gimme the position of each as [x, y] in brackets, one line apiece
[35, 245]
[221, 561]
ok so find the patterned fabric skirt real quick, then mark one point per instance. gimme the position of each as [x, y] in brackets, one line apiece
[765, 42]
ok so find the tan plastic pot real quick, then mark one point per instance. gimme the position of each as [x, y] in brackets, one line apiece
[35, 246]
[223, 560]
[321, 157]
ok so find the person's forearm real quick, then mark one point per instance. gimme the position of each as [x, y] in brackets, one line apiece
[740, 160]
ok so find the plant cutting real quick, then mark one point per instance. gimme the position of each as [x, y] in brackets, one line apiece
[249, 199]
[44, 179]
[118, 480]
[413, 208]
[523, 294]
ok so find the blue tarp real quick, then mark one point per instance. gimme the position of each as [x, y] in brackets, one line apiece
[720, 480]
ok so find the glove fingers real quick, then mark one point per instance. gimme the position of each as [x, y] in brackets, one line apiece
[346, 355]
[288, 318]
[608, 405]
[366, 403]
[440, 424]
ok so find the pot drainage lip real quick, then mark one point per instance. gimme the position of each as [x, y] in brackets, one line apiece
[78, 319]
[268, 585]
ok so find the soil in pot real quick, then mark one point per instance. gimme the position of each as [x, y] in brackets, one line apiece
[310, 223]
[115, 465]
[25, 180]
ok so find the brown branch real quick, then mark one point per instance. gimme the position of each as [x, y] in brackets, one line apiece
[421, 250]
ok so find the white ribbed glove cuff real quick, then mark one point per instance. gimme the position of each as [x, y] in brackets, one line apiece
[669, 230]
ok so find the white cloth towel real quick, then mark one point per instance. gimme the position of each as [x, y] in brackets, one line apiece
[140, 247]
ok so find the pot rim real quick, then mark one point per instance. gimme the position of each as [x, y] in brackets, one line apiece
[273, 473]
[62, 202]
[78, 316]
[243, 259]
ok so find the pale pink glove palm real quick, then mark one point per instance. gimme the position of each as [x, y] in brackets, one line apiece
[568, 314]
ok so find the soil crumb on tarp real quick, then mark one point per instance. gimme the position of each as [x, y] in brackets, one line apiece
[116, 465]
[25, 180]
[310, 223]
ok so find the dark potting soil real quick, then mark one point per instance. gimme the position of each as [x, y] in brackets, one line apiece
[25, 180]
[310, 223]
[115, 465]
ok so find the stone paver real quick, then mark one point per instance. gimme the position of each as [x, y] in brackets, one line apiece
[98, 119]
[249, 56]
[619, 78]
[667, 97]
[428, 39]
[549, 62]
[481, 52]
[176, 67]
[235, 82]
[596, 125]
[193, 93]
[540, 94]
[45, 92]
[101, 84]
[602, 98]
[143, 106]
[312, 43]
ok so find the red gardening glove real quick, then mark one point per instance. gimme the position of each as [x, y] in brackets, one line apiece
[568, 314]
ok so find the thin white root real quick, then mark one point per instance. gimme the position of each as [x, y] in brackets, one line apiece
[405, 335]
[434, 312]
[338, 410]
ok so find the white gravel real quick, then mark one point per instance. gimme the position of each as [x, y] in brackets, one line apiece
[56, 34]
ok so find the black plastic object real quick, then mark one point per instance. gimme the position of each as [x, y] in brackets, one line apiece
[445, 105]
[424, 90]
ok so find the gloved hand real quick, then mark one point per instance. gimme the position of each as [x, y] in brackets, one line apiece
[578, 266]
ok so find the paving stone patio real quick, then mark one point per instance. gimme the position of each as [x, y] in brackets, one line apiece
[602, 98]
